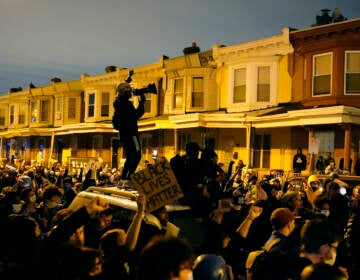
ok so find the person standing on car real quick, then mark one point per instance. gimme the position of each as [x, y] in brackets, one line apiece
[125, 121]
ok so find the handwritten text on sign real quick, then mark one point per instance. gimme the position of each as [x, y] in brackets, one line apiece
[159, 185]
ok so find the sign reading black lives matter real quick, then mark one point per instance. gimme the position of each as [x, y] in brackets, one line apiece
[159, 185]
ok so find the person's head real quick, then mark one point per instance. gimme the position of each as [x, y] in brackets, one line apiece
[320, 238]
[24, 181]
[299, 150]
[322, 205]
[322, 271]
[292, 200]
[211, 267]
[68, 182]
[162, 215]
[333, 189]
[52, 196]
[356, 192]
[192, 149]
[165, 258]
[13, 201]
[28, 195]
[20, 234]
[106, 217]
[112, 239]
[282, 219]
[78, 263]
[314, 182]
[124, 90]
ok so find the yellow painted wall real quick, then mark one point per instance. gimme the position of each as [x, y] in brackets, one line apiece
[284, 83]
[222, 80]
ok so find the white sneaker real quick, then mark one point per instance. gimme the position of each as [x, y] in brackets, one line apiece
[124, 184]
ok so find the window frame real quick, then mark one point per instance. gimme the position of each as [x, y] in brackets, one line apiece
[194, 92]
[105, 105]
[346, 73]
[258, 68]
[178, 93]
[235, 85]
[44, 111]
[327, 74]
[91, 98]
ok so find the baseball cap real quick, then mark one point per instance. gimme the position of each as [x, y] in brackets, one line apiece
[281, 217]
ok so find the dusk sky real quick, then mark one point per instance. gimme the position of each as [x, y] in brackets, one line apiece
[43, 39]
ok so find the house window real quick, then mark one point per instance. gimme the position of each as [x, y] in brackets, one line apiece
[105, 101]
[97, 145]
[72, 109]
[178, 93]
[22, 112]
[44, 110]
[12, 114]
[147, 105]
[322, 75]
[34, 111]
[326, 141]
[2, 116]
[263, 84]
[197, 95]
[58, 106]
[352, 73]
[91, 106]
[240, 86]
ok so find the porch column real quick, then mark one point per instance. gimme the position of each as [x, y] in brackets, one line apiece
[347, 148]
[311, 165]
[248, 142]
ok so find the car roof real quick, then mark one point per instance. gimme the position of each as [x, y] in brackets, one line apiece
[124, 198]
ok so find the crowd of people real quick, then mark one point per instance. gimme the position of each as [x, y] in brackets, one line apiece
[255, 228]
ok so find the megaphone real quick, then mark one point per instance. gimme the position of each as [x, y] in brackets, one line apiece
[151, 88]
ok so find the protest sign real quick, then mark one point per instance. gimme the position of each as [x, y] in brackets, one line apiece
[159, 185]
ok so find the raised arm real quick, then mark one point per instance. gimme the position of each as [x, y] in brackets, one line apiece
[254, 212]
[134, 228]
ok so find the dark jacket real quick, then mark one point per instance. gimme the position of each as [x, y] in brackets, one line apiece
[127, 116]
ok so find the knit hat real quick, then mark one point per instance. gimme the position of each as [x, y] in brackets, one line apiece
[281, 217]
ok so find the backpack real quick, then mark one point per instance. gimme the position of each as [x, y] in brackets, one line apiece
[256, 260]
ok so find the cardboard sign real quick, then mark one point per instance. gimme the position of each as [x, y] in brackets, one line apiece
[159, 185]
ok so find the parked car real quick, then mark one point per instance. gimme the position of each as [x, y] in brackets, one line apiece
[123, 205]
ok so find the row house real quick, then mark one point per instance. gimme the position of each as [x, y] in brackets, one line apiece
[326, 80]
[257, 101]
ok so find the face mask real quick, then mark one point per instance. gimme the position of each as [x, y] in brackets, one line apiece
[16, 208]
[332, 260]
[52, 204]
[32, 198]
[325, 212]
